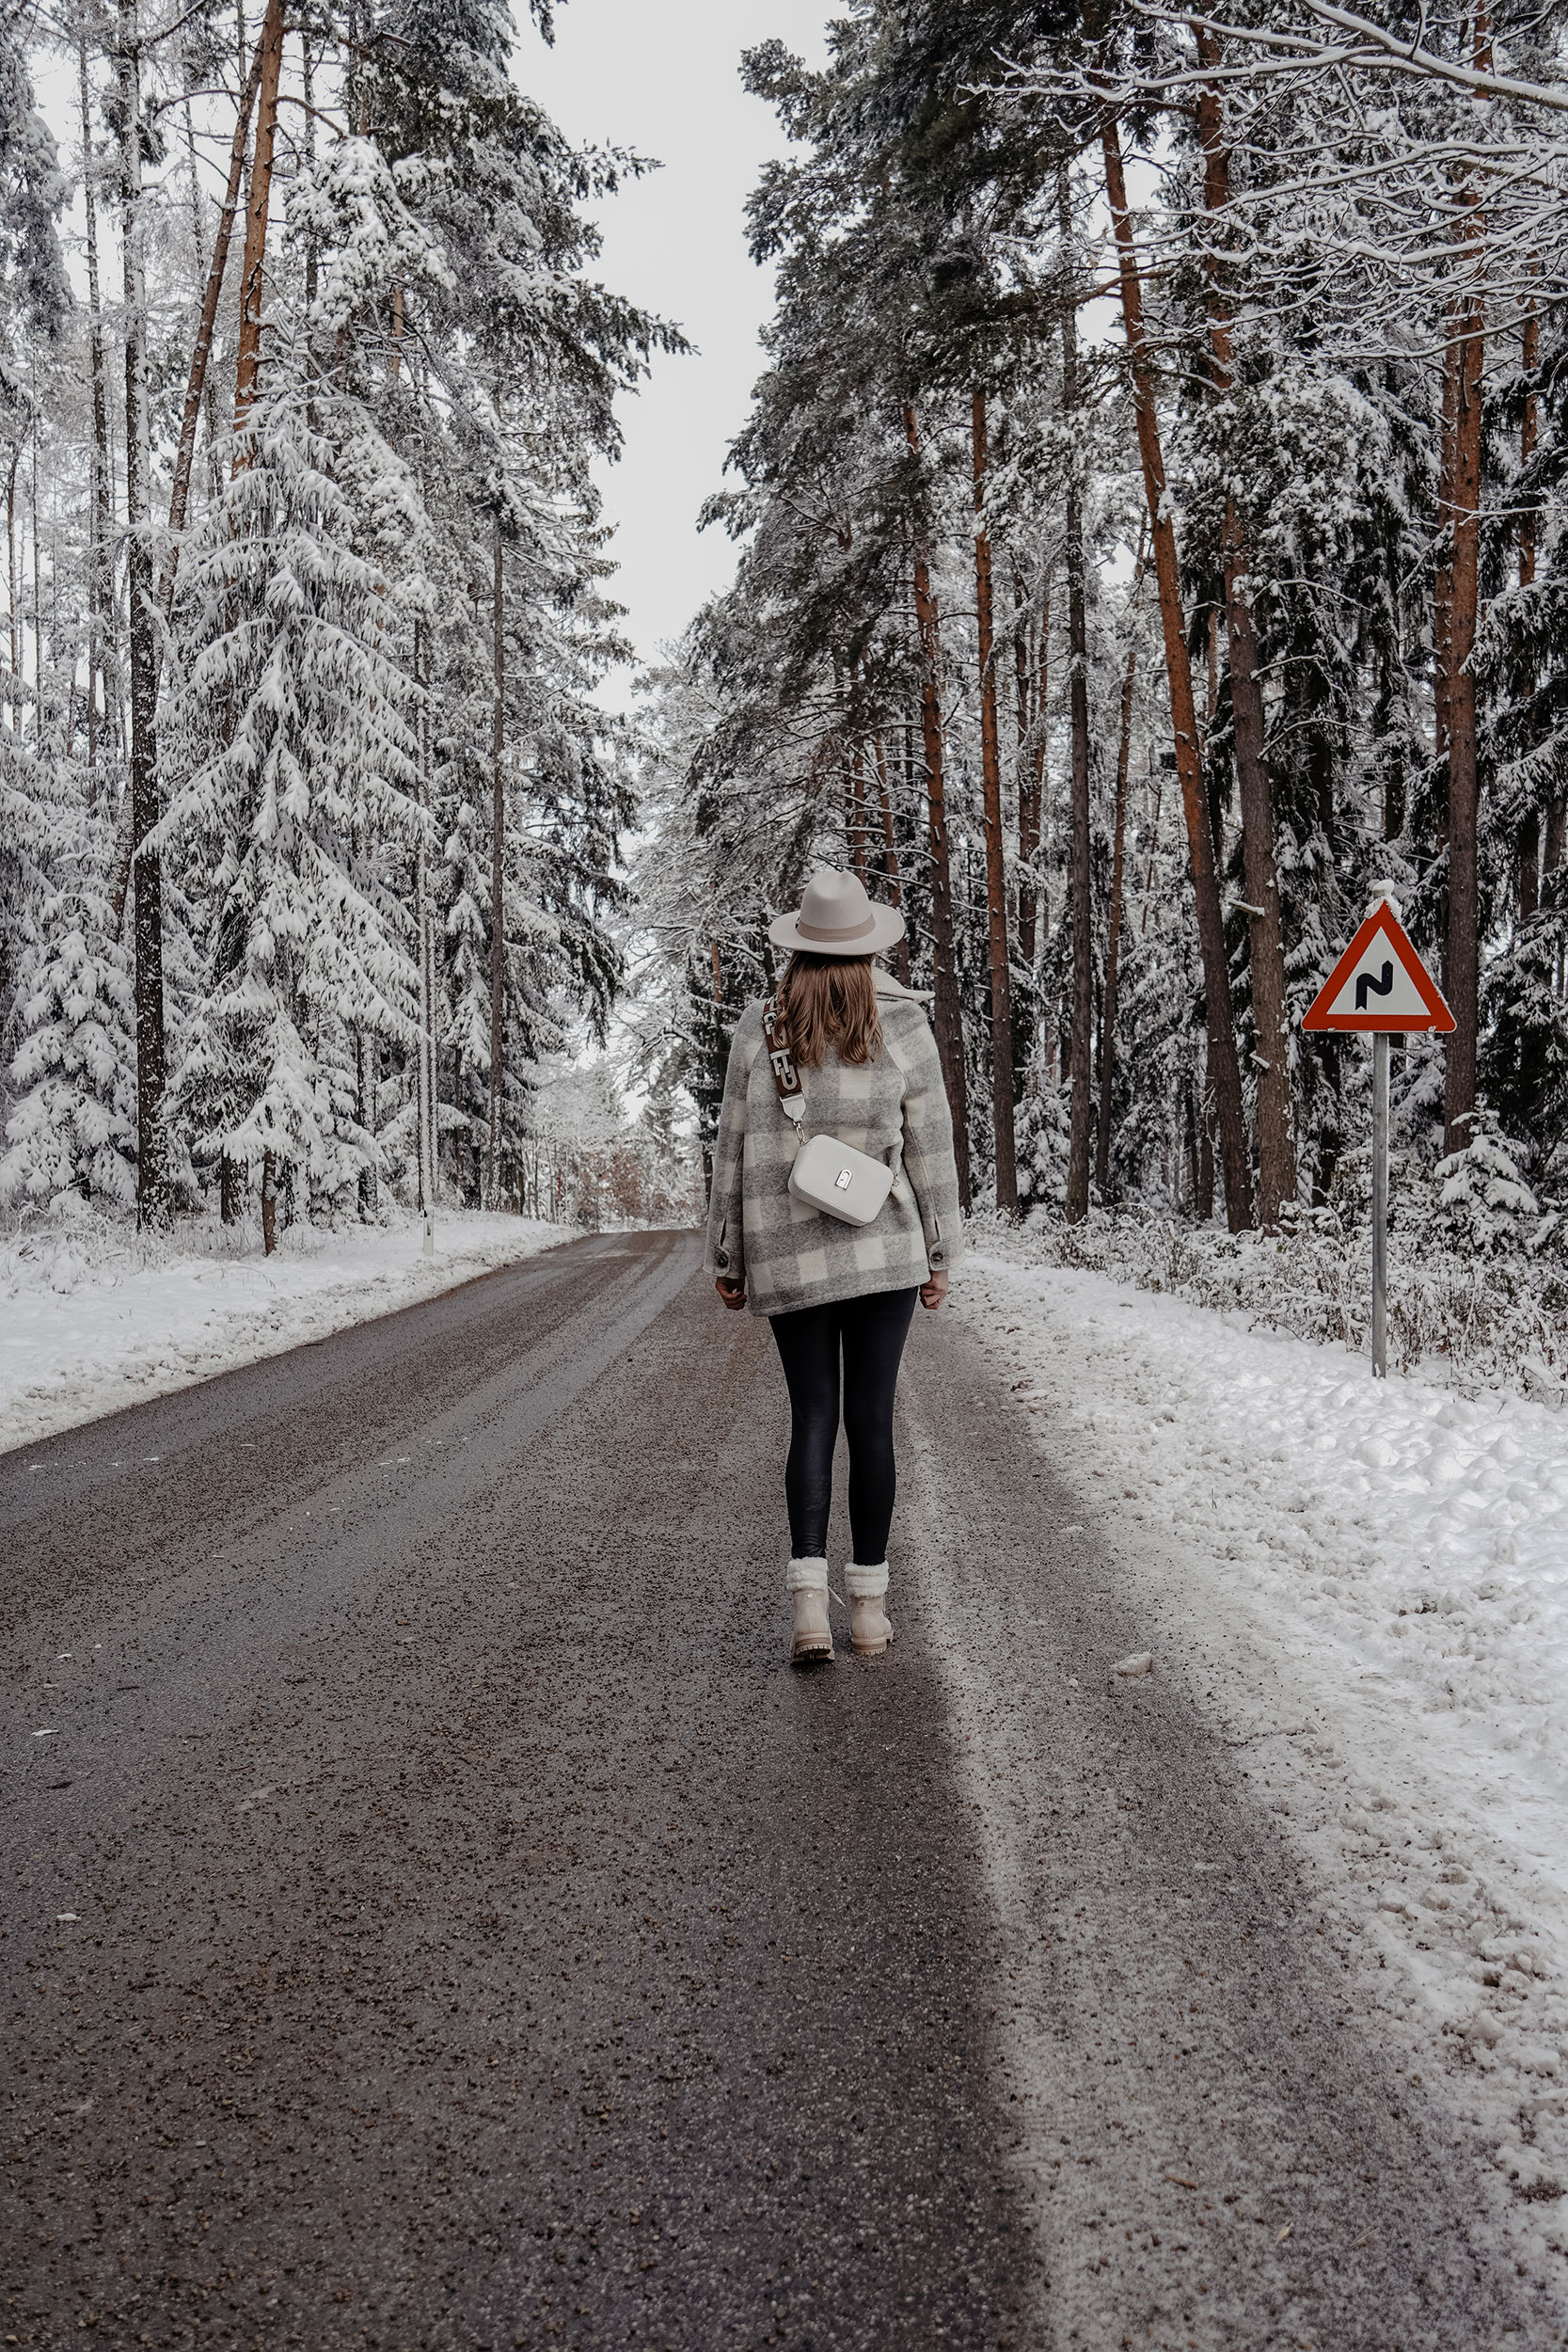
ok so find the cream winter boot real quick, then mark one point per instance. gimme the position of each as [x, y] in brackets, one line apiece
[807, 1581]
[870, 1627]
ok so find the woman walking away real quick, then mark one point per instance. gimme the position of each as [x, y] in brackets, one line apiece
[833, 1089]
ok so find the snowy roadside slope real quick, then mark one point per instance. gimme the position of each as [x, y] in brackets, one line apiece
[1369, 1584]
[79, 1339]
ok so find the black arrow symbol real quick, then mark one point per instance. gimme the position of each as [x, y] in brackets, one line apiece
[1366, 986]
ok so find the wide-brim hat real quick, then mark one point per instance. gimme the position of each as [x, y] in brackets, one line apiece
[836, 918]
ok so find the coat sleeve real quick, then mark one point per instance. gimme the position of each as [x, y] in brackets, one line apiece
[726, 1221]
[929, 1160]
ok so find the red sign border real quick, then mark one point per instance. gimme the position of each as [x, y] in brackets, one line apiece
[1380, 918]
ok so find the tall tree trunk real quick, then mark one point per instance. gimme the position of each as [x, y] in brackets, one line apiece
[1118, 865]
[1461, 969]
[948, 1021]
[1023, 695]
[1024, 707]
[1113, 933]
[1530, 837]
[100, 520]
[498, 872]
[253, 285]
[427, 1109]
[1461, 972]
[1442, 591]
[1529, 426]
[195, 382]
[1029, 692]
[859, 845]
[1465, 358]
[1081, 1019]
[1031, 796]
[889, 854]
[1276, 1142]
[153, 1190]
[858, 829]
[1153, 851]
[914, 772]
[996, 847]
[1529, 864]
[1224, 1072]
[1083, 917]
[312, 242]
[37, 587]
[13, 664]
[1078, 696]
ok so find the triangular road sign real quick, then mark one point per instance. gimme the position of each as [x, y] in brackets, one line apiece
[1380, 982]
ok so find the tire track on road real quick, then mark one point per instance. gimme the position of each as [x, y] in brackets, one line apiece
[480, 1938]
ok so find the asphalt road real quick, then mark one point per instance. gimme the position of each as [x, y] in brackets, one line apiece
[438, 1916]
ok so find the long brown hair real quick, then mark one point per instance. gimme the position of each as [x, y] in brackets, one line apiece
[830, 1000]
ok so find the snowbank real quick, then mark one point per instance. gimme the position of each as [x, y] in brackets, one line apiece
[1466, 1316]
[1368, 1582]
[91, 1319]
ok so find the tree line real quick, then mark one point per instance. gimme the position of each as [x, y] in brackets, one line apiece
[1151, 545]
[309, 820]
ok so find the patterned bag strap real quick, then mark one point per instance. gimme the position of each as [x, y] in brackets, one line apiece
[786, 1078]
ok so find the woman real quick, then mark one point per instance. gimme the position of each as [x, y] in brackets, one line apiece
[868, 1064]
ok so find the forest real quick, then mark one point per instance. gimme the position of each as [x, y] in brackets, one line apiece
[1149, 530]
[309, 820]
[1150, 550]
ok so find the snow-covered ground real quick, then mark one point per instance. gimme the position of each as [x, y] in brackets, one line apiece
[1368, 1582]
[91, 1320]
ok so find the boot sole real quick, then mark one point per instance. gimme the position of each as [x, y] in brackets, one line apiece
[812, 1654]
[870, 1649]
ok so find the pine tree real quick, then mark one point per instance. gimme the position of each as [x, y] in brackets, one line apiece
[297, 798]
[74, 1127]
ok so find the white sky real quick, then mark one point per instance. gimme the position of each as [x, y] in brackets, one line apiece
[661, 76]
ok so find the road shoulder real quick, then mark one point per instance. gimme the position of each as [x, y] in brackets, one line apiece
[90, 1326]
[1424, 1900]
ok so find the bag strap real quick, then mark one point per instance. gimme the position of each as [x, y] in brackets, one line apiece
[792, 1095]
[786, 1078]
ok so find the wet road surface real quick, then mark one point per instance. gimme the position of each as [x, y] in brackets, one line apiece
[438, 1918]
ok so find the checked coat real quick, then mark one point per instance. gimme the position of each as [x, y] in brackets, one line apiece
[790, 1255]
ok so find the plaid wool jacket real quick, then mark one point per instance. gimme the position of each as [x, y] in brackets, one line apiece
[793, 1256]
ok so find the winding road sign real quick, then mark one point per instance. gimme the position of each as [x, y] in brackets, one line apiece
[1379, 985]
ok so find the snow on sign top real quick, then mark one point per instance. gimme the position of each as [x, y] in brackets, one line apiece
[1380, 982]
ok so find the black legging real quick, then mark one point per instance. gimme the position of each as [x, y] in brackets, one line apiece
[871, 1333]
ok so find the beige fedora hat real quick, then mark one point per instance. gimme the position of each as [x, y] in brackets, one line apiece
[836, 918]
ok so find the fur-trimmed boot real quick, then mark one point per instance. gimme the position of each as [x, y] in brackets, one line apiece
[870, 1627]
[807, 1581]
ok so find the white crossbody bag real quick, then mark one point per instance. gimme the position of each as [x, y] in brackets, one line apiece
[827, 1175]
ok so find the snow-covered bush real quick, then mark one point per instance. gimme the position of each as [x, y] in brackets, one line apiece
[1044, 1136]
[1483, 1206]
[73, 1129]
[1495, 1320]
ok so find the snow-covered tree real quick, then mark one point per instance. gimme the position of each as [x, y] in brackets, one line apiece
[74, 1128]
[298, 799]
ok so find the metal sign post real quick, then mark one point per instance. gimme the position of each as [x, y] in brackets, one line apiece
[1380, 1206]
[1381, 987]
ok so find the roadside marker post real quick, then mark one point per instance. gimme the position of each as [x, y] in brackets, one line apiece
[1380, 987]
